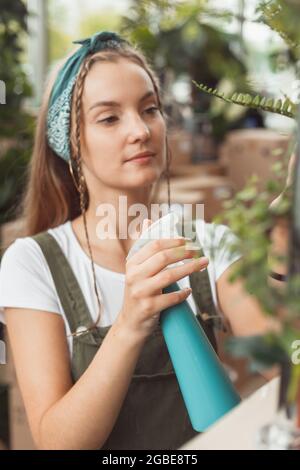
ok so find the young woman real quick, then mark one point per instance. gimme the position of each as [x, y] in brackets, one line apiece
[89, 355]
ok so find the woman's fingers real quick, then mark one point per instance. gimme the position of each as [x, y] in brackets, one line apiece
[167, 300]
[162, 259]
[153, 247]
[163, 279]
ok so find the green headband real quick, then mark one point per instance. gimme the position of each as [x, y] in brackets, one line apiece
[59, 109]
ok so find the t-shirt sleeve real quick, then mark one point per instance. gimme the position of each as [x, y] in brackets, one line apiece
[219, 246]
[25, 279]
[226, 255]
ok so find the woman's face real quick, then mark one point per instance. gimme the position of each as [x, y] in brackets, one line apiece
[112, 133]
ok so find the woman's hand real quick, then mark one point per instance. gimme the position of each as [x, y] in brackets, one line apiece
[145, 279]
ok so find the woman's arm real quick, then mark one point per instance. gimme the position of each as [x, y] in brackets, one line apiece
[62, 416]
[242, 309]
[244, 313]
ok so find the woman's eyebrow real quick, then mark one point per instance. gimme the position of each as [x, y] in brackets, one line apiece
[115, 104]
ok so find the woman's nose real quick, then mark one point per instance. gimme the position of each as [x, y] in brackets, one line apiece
[138, 129]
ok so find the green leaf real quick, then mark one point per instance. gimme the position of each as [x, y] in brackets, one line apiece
[256, 101]
[240, 98]
[263, 102]
[278, 105]
[286, 105]
[248, 99]
[247, 194]
[269, 103]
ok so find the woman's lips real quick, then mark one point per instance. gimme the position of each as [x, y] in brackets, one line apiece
[144, 159]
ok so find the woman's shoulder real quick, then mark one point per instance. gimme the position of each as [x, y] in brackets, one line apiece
[22, 266]
[22, 248]
[26, 250]
[25, 278]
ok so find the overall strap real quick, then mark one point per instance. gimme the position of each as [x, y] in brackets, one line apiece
[67, 287]
[203, 297]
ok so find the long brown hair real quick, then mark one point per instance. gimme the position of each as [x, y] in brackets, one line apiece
[53, 193]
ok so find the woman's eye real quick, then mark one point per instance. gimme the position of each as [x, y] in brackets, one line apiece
[109, 119]
[152, 110]
[112, 119]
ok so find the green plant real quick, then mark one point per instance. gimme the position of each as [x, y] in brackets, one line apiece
[283, 19]
[16, 125]
[284, 107]
[250, 217]
[179, 36]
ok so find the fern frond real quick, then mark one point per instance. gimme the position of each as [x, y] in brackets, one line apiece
[271, 12]
[285, 108]
[292, 44]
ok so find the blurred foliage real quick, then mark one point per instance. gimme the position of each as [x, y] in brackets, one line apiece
[249, 216]
[283, 17]
[99, 20]
[16, 125]
[60, 41]
[177, 35]
[252, 220]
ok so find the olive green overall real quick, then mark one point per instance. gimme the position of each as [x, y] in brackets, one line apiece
[153, 415]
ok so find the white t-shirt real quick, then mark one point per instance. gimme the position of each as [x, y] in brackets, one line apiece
[26, 281]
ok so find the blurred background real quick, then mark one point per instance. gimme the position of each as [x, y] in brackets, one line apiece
[216, 146]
